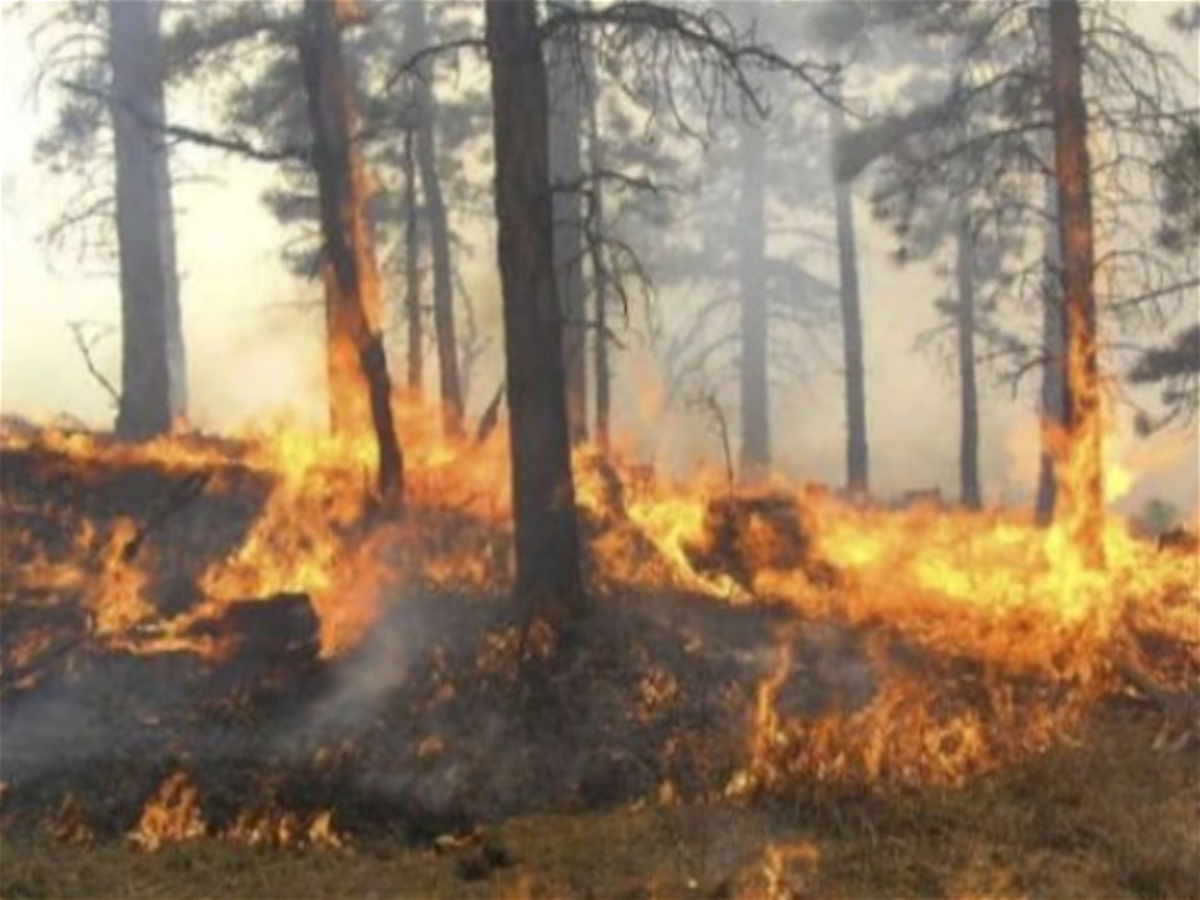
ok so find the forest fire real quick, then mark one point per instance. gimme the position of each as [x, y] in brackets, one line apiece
[565, 649]
[971, 640]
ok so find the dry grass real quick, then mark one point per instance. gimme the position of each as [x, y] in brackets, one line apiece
[1109, 818]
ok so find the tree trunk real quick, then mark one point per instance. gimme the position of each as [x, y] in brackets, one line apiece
[968, 459]
[857, 460]
[412, 271]
[352, 298]
[416, 28]
[549, 577]
[1053, 396]
[566, 168]
[152, 364]
[755, 459]
[1080, 474]
[600, 276]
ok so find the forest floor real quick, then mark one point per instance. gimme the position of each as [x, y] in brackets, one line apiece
[1110, 818]
[420, 765]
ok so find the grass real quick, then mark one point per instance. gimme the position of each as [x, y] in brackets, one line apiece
[1109, 818]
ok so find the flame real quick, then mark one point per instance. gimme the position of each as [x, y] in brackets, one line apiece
[1015, 632]
[171, 815]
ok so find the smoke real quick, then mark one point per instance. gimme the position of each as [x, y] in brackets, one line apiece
[254, 349]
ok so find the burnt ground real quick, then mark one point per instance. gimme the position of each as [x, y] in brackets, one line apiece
[604, 778]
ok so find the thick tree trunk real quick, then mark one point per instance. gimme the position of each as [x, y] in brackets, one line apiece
[417, 31]
[549, 577]
[566, 168]
[968, 457]
[152, 367]
[412, 272]
[755, 461]
[353, 301]
[1080, 474]
[857, 459]
[1053, 394]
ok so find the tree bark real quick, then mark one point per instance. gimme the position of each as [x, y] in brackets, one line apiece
[152, 365]
[566, 168]
[1080, 474]
[755, 461]
[416, 28]
[1053, 393]
[353, 301]
[970, 494]
[857, 454]
[549, 577]
[412, 272]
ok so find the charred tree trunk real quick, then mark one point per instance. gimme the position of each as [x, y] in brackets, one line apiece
[352, 299]
[152, 366]
[857, 459]
[416, 27]
[1079, 473]
[412, 272]
[1053, 396]
[549, 576]
[566, 168]
[755, 459]
[968, 458]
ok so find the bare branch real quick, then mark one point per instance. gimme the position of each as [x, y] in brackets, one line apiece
[86, 345]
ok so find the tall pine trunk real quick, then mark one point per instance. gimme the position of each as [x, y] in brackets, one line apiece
[1053, 392]
[858, 480]
[412, 272]
[755, 459]
[549, 579]
[353, 302]
[152, 365]
[968, 457]
[566, 168]
[417, 33]
[1080, 474]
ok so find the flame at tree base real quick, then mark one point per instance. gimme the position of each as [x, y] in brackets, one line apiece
[982, 638]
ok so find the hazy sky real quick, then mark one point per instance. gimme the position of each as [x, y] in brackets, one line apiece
[251, 354]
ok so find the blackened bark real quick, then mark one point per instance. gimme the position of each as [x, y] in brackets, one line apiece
[412, 272]
[152, 343]
[857, 458]
[1053, 393]
[417, 31]
[968, 457]
[566, 168]
[549, 577]
[1080, 473]
[351, 276]
[755, 458]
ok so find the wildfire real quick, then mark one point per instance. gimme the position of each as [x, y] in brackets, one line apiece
[991, 634]
[171, 815]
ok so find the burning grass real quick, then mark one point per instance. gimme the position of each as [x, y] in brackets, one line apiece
[1108, 818]
[211, 645]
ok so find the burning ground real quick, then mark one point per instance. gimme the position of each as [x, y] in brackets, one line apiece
[226, 671]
